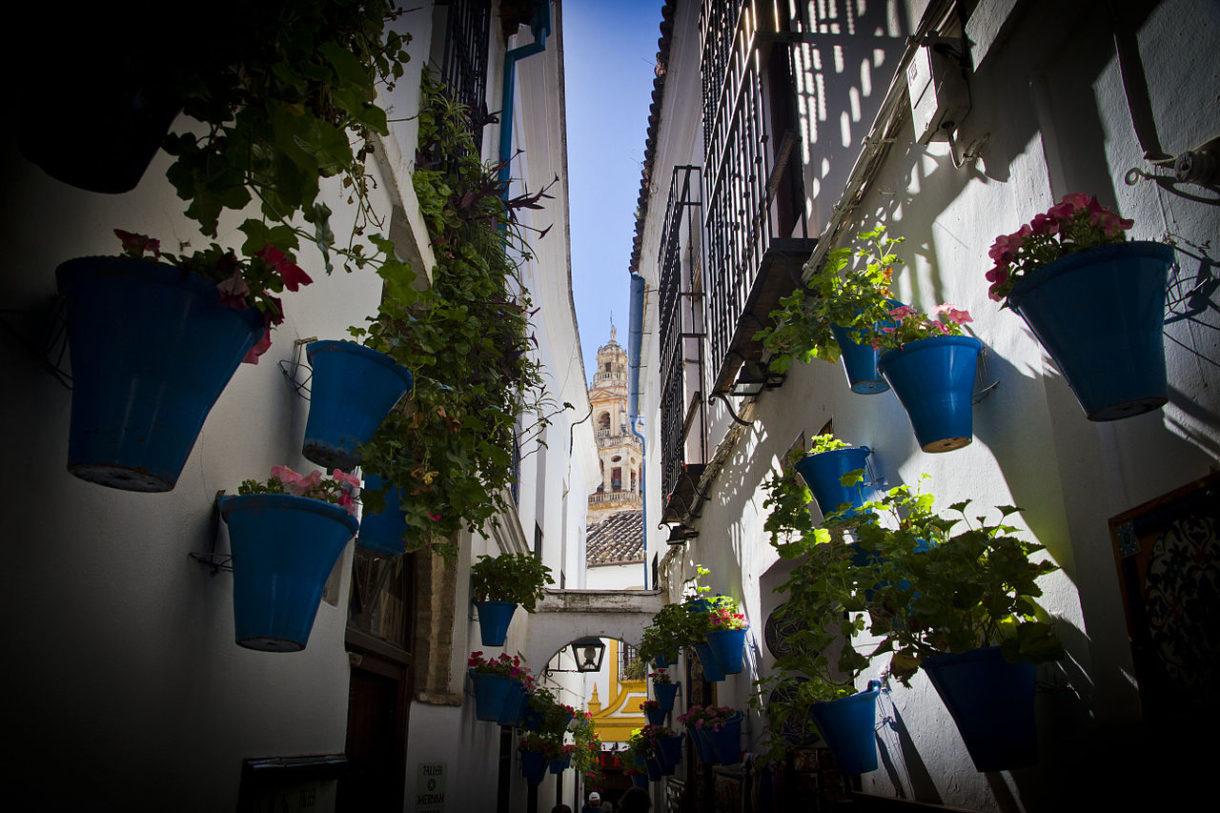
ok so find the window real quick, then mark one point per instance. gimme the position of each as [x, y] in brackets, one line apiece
[616, 479]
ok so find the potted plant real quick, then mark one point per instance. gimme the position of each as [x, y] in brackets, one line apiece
[562, 758]
[930, 365]
[842, 305]
[285, 535]
[493, 679]
[824, 467]
[1095, 301]
[537, 751]
[498, 584]
[352, 390]
[726, 634]
[382, 529]
[719, 728]
[671, 629]
[814, 680]
[154, 339]
[645, 752]
[654, 712]
[667, 746]
[519, 690]
[665, 688]
[961, 605]
[587, 745]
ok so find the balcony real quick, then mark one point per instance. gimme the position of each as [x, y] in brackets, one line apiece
[755, 229]
[613, 497]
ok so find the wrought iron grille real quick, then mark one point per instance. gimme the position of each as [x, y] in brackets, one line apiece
[754, 218]
[681, 330]
[464, 67]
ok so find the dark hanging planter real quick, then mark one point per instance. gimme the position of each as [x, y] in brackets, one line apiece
[494, 618]
[711, 667]
[860, 363]
[351, 391]
[151, 350]
[847, 725]
[992, 702]
[703, 745]
[934, 380]
[533, 766]
[103, 131]
[823, 473]
[510, 712]
[383, 532]
[1100, 314]
[726, 743]
[670, 751]
[560, 765]
[666, 692]
[284, 548]
[490, 691]
[639, 780]
[665, 661]
[656, 716]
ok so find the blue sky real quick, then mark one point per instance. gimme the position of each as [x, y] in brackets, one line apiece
[610, 49]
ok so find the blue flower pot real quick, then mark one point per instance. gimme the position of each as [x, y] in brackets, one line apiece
[703, 745]
[665, 694]
[494, 618]
[656, 716]
[284, 548]
[490, 692]
[654, 768]
[671, 750]
[665, 661]
[860, 362]
[727, 741]
[639, 780]
[383, 532]
[560, 765]
[533, 766]
[510, 711]
[352, 389]
[934, 380]
[711, 668]
[1100, 314]
[847, 725]
[728, 648]
[992, 702]
[151, 350]
[823, 473]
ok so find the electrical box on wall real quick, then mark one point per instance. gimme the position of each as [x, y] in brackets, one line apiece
[936, 82]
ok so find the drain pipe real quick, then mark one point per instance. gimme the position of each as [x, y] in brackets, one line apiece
[634, 341]
[540, 24]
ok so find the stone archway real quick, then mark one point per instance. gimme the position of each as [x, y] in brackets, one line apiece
[566, 615]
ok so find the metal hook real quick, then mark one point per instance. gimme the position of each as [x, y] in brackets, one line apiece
[290, 368]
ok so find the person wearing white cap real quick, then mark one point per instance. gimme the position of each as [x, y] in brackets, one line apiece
[594, 805]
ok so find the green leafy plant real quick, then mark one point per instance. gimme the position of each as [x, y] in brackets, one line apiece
[467, 339]
[939, 589]
[634, 670]
[586, 742]
[851, 295]
[672, 628]
[826, 443]
[516, 577]
[541, 743]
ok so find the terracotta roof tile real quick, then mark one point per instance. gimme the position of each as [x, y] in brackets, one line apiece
[616, 540]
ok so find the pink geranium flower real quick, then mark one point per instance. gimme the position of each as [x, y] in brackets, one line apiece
[234, 293]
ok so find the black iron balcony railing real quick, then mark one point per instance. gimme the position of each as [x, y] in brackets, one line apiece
[682, 334]
[755, 229]
[464, 67]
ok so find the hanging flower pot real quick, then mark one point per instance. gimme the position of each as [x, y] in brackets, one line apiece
[533, 766]
[726, 742]
[847, 725]
[711, 668]
[122, 107]
[703, 745]
[992, 702]
[639, 780]
[352, 389]
[151, 351]
[934, 380]
[654, 768]
[490, 692]
[655, 716]
[383, 532]
[284, 548]
[1100, 314]
[728, 649]
[665, 661]
[860, 362]
[561, 765]
[494, 618]
[823, 473]
[510, 711]
[665, 693]
[670, 751]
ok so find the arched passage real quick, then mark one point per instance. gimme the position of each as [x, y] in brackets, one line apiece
[566, 615]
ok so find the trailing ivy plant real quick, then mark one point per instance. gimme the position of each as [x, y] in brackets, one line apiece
[467, 339]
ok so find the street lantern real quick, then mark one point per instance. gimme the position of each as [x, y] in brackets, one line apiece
[588, 653]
